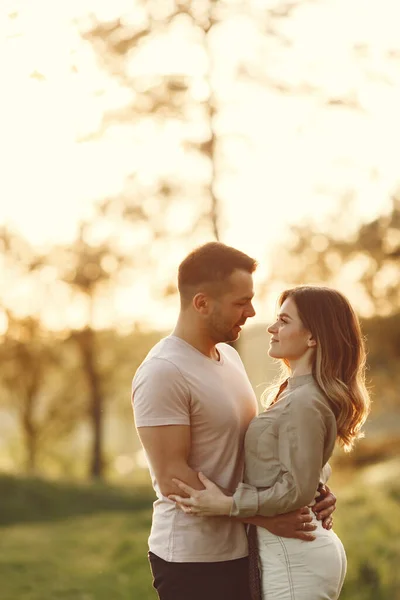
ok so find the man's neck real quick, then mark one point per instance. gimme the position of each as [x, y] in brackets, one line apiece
[193, 335]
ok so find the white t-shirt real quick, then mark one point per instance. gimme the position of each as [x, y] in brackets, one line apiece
[178, 385]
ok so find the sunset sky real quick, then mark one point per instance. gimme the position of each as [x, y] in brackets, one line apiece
[301, 155]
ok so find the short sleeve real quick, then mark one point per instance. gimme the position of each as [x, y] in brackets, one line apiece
[160, 395]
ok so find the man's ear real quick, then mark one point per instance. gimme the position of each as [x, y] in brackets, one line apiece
[200, 303]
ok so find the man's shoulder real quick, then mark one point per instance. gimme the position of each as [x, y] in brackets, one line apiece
[162, 359]
[158, 380]
[229, 352]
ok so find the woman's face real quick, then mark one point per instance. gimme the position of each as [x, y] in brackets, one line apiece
[289, 339]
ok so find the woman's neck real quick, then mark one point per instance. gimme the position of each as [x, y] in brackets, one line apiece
[297, 369]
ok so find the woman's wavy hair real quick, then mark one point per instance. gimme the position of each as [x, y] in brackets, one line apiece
[339, 359]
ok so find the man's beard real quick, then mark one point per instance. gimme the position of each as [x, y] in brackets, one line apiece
[222, 334]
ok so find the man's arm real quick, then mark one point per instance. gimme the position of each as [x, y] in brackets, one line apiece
[291, 524]
[167, 447]
[296, 524]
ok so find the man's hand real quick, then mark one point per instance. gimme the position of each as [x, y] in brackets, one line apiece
[296, 524]
[325, 506]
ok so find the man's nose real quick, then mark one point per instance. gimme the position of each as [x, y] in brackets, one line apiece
[250, 312]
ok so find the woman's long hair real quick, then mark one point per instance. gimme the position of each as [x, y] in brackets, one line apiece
[338, 364]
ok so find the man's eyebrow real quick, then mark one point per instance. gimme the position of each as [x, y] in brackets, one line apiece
[243, 298]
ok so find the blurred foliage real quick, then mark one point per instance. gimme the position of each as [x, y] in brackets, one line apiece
[38, 385]
[64, 388]
[75, 278]
[70, 389]
[368, 256]
[58, 411]
[190, 103]
[363, 261]
[367, 521]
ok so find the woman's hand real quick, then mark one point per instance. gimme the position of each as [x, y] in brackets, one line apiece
[210, 502]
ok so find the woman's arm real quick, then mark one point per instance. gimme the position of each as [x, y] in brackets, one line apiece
[302, 436]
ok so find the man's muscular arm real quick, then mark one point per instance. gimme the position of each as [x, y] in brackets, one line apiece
[167, 447]
[295, 524]
[298, 523]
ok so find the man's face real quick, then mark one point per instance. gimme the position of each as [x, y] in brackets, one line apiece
[230, 310]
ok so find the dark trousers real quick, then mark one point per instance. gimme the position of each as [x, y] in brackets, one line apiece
[228, 580]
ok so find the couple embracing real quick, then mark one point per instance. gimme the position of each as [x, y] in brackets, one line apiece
[243, 510]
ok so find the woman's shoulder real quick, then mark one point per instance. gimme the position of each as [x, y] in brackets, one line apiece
[310, 396]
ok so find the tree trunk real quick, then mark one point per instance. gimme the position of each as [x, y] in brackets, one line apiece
[86, 341]
[30, 431]
[30, 435]
[215, 203]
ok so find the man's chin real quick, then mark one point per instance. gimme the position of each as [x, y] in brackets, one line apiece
[233, 336]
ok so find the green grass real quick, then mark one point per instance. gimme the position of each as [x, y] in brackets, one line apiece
[73, 542]
[86, 542]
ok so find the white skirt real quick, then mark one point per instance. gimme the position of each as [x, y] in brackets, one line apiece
[296, 570]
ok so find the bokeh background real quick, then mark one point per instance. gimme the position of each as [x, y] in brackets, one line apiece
[130, 133]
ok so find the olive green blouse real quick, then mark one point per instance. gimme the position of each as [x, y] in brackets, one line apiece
[287, 448]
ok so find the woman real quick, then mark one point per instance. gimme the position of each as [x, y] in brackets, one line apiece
[322, 399]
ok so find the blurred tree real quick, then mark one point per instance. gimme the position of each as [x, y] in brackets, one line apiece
[33, 358]
[74, 288]
[363, 262]
[37, 385]
[89, 266]
[35, 377]
[367, 256]
[165, 57]
[182, 76]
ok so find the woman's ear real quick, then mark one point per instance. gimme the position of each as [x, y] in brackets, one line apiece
[312, 342]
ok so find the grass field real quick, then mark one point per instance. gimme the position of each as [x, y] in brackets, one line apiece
[73, 542]
[85, 542]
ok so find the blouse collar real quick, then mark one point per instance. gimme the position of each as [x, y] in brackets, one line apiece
[294, 382]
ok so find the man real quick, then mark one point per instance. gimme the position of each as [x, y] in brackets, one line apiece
[192, 403]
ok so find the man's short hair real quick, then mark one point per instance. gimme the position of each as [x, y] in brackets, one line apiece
[210, 265]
